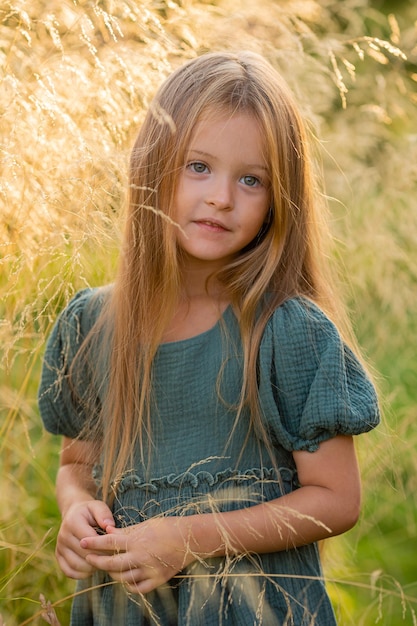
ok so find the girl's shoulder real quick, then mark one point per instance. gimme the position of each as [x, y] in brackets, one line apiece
[60, 410]
[300, 333]
[84, 308]
[319, 385]
[75, 321]
[298, 319]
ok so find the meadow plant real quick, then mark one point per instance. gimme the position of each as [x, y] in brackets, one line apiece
[76, 78]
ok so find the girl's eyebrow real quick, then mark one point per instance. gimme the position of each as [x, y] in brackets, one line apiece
[203, 154]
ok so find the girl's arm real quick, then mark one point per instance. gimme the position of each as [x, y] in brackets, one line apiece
[80, 510]
[327, 503]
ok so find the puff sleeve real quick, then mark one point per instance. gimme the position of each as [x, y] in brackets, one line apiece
[312, 387]
[61, 412]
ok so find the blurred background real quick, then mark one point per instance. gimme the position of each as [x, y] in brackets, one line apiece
[76, 77]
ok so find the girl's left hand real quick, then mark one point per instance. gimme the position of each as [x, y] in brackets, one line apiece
[143, 556]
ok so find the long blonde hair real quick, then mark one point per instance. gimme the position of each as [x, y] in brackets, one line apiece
[289, 259]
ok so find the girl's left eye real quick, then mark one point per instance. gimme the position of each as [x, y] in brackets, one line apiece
[250, 181]
[197, 167]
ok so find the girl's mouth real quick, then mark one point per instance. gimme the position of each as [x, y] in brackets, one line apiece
[211, 224]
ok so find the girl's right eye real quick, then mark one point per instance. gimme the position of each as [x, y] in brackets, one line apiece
[198, 167]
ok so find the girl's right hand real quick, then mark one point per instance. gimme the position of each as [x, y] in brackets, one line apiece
[80, 520]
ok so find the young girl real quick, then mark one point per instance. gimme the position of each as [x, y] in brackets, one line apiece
[206, 399]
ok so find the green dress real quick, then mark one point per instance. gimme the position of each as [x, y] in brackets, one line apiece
[311, 388]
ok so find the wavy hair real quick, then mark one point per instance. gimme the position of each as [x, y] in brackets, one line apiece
[288, 260]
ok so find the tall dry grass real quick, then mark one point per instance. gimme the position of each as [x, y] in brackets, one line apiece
[76, 78]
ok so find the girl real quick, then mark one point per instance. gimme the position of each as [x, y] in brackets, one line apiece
[206, 399]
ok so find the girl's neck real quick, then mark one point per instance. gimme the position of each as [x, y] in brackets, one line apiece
[198, 285]
[199, 308]
[192, 318]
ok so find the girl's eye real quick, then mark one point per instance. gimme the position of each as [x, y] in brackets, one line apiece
[198, 167]
[250, 181]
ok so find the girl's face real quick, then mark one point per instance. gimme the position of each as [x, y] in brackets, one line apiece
[223, 190]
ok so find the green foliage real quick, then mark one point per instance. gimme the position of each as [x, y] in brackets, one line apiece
[76, 78]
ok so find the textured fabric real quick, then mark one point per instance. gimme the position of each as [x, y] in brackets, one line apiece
[311, 388]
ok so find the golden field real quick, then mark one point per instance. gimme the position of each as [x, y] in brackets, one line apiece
[76, 77]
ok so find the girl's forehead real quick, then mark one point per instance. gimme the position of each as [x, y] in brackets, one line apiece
[225, 120]
[215, 125]
[215, 115]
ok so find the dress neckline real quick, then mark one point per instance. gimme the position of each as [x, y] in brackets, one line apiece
[200, 337]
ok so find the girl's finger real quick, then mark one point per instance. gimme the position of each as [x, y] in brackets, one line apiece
[141, 587]
[114, 563]
[129, 577]
[102, 543]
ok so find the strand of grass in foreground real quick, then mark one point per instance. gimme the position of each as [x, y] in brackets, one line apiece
[66, 599]
[399, 595]
[7, 578]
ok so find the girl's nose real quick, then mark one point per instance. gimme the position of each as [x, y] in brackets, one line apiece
[220, 193]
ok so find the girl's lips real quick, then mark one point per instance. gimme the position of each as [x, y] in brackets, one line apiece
[211, 224]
